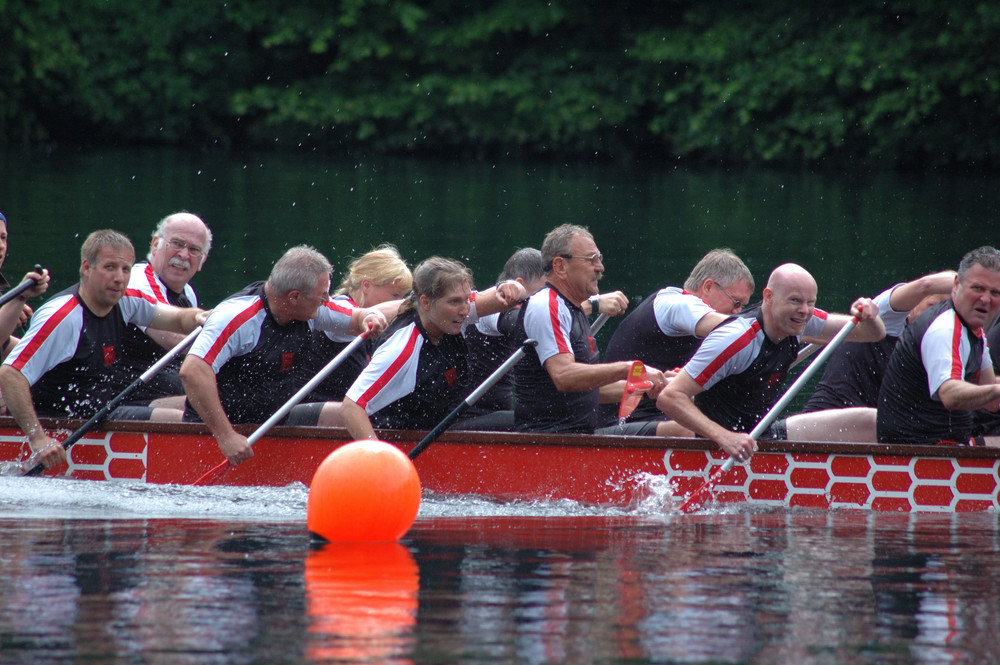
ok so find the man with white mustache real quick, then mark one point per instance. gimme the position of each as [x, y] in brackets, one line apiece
[178, 249]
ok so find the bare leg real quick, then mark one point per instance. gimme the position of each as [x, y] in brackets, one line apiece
[330, 415]
[671, 428]
[166, 415]
[855, 425]
[172, 402]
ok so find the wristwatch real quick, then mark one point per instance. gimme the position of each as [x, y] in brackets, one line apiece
[595, 304]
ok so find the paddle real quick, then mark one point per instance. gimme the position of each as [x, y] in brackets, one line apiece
[34, 467]
[804, 353]
[472, 398]
[20, 288]
[287, 406]
[694, 499]
[598, 323]
[634, 387]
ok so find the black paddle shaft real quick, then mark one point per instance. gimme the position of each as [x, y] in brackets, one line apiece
[20, 288]
[116, 401]
[472, 398]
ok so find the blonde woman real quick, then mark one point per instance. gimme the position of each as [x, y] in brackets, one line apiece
[378, 277]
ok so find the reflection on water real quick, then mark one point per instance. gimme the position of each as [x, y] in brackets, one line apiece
[362, 602]
[525, 585]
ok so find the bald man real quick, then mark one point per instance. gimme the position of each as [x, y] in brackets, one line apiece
[738, 372]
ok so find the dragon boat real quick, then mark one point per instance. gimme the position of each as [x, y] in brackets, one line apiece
[600, 470]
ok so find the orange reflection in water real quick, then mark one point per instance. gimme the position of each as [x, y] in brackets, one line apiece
[361, 599]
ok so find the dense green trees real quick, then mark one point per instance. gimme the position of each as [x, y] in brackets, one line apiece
[902, 83]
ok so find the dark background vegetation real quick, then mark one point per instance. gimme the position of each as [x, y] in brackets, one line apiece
[899, 84]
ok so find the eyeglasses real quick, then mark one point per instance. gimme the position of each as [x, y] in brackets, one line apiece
[593, 258]
[737, 304]
[180, 245]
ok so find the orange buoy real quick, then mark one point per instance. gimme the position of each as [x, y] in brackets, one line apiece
[365, 491]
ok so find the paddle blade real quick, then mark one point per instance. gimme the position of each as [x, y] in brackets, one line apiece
[214, 475]
[634, 387]
[696, 498]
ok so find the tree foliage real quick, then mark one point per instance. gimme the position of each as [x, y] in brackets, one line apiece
[910, 84]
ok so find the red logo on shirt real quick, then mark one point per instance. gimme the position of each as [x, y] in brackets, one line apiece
[451, 376]
[109, 356]
[774, 379]
[287, 359]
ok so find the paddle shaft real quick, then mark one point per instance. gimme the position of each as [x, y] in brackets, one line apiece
[20, 288]
[290, 404]
[772, 414]
[472, 398]
[598, 323]
[306, 389]
[36, 468]
[804, 353]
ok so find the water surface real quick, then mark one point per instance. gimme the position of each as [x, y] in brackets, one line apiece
[120, 573]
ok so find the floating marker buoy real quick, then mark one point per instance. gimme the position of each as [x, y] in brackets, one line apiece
[364, 491]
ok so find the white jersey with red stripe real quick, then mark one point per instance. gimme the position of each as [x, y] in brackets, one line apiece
[234, 326]
[678, 311]
[392, 373]
[56, 328]
[145, 279]
[733, 346]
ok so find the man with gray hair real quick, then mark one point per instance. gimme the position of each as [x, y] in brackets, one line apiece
[560, 382]
[177, 251]
[666, 328]
[940, 371]
[243, 366]
[69, 361]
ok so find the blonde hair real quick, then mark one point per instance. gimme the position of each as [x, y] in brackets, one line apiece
[383, 265]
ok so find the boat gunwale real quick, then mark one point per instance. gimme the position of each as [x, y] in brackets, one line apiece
[539, 439]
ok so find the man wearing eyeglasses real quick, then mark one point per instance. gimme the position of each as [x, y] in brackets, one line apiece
[560, 383]
[667, 327]
[177, 251]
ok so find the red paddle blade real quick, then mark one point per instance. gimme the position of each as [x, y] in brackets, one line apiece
[634, 387]
[700, 495]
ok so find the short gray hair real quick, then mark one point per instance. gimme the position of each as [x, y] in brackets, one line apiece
[525, 263]
[557, 242]
[723, 267]
[161, 230]
[986, 256]
[297, 270]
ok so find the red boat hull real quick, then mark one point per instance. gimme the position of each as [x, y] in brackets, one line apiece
[618, 471]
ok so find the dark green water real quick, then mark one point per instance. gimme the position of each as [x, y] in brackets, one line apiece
[857, 232]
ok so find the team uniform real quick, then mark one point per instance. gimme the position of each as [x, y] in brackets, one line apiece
[325, 345]
[490, 343]
[559, 326]
[72, 358]
[854, 372]
[4, 288]
[935, 348]
[988, 422]
[742, 371]
[256, 361]
[661, 333]
[411, 383]
[139, 350]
